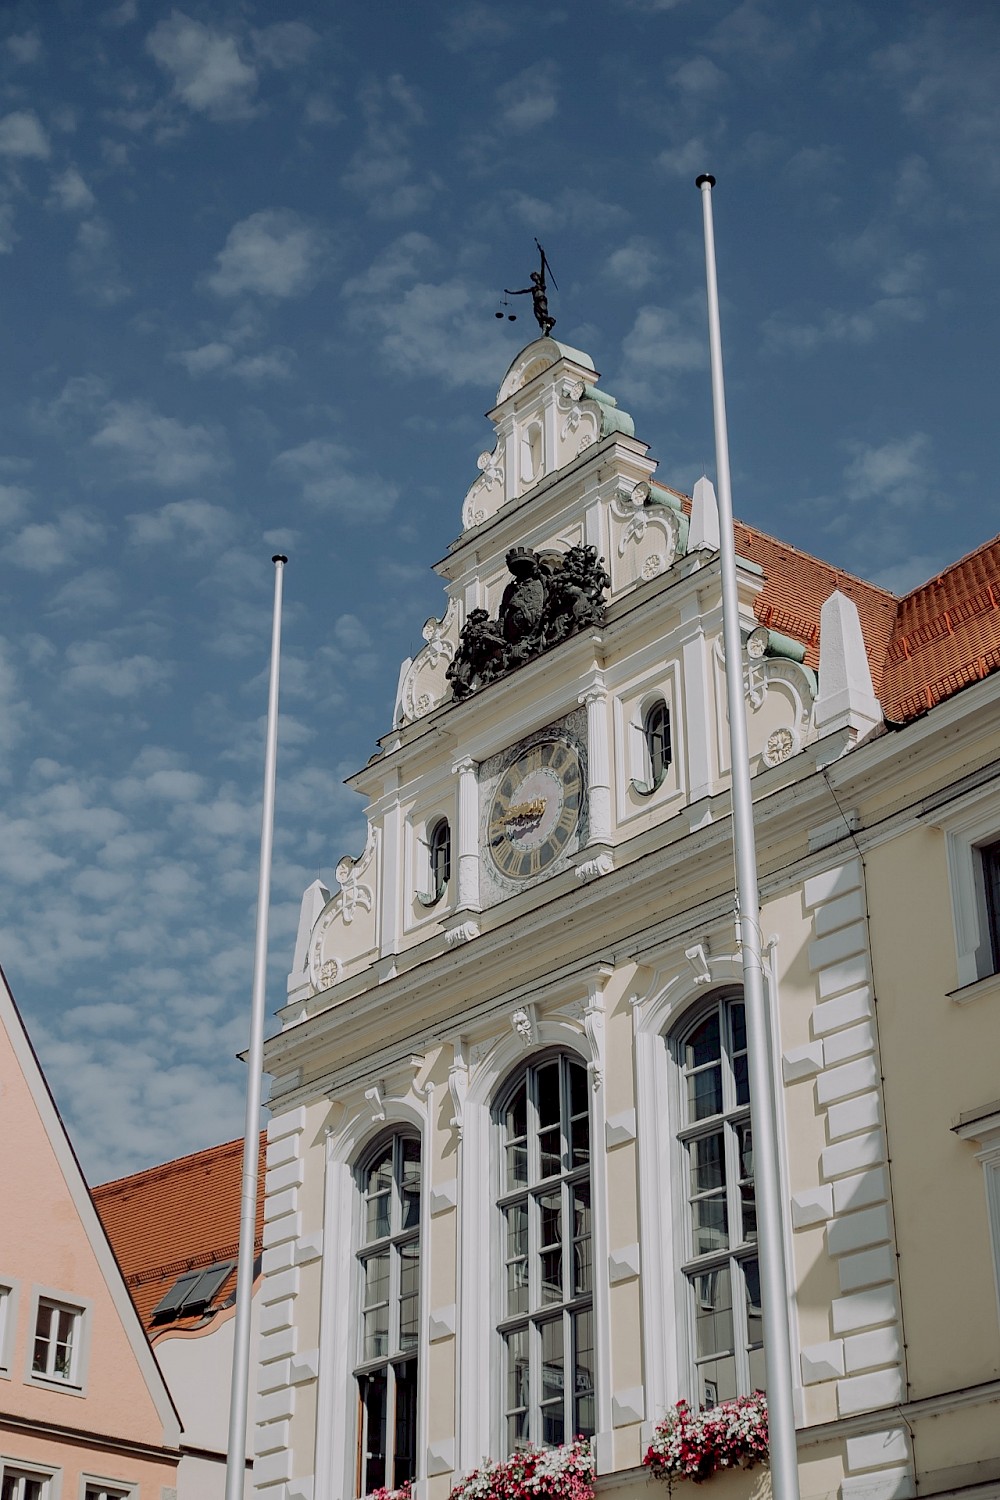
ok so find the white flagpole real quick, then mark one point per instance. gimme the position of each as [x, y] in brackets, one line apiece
[767, 1190]
[236, 1453]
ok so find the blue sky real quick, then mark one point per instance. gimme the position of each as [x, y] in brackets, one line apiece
[248, 275]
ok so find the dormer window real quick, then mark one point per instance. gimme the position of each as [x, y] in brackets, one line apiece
[438, 863]
[656, 748]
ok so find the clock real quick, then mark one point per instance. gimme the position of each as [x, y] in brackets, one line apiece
[535, 809]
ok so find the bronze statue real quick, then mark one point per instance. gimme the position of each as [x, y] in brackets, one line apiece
[551, 596]
[538, 292]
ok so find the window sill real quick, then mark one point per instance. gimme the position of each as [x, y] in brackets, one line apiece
[978, 989]
[53, 1383]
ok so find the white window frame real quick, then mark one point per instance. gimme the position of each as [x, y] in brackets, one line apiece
[970, 823]
[537, 1313]
[10, 1291]
[985, 1133]
[340, 1315]
[48, 1477]
[480, 1419]
[80, 1309]
[631, 755]
[93, 1487]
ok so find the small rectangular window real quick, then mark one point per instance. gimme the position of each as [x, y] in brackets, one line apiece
[21, 1484]
[56, 1351]
[105, 1492]
[6, 1318]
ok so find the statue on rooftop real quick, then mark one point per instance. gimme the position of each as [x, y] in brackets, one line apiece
[538, 291]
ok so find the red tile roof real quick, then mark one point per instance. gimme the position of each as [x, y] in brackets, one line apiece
[922, 647]
[181, 1216]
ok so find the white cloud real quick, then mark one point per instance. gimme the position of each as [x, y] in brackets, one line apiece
[634, 264]
[25, 47]
[205, 359]
[474, 26]
[286, 44]
[92, 667]
[206, 68]
[686, 159]
[438, 329]
[381, 170]
[13, 502]
[834, 326]
[22, 135]
[159, 449]
[42, 547]
[8, 235]
[661, 345]
[698, 78]
[274, 252]
[70, 193]
[331, 479]
[92, 590]
[528, 100]
[399, 262]
[95, 265]
[255, 369]
[188, 523]
[897, 471]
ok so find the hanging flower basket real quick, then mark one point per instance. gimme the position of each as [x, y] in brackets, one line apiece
[403, 1493]
[695, 1445]
[565, 1473]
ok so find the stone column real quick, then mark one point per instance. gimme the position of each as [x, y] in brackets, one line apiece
[468, 834]
[598, 765]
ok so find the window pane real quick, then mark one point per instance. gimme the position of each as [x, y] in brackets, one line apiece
[579, 1094]
[705, 1093]
[738, 1020]
[758, 1370]
[517, 1258]
[409, 1294]
[755, 1317]
[581, 1238]
[713, 1312]
[517, 1167]
[516, 1115]
[711, 1225]
[550, 1152]
[583, 1359]
[373, 1404]
[376, 1303]
[404, 1457]
[717, 1381]
[378, 1190]
[517, 1388]
[704, 1044]
[553, 1383]
[742, 1076]
[410, 1184]
[548, 1095]
[708, 1163]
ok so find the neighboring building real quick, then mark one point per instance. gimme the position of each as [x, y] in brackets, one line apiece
[84, 1411]
[175, 1231]
[510, 1189]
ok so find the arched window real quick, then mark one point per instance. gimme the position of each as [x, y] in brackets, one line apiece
[547, 1320]
[389, 1272]
[440, 849]
[720, 1244]
[438, 868]
[656, 748]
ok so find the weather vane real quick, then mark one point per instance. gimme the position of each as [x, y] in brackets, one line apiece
[538, 291]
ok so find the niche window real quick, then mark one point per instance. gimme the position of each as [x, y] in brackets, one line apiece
[389, 1273]
[546, 1326]
[438, 863]
[720, 1247]
[655, 748]
[18, 1484]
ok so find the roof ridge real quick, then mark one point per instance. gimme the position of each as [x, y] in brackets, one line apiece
[952, 567]
[829, 567]
[166, 1168]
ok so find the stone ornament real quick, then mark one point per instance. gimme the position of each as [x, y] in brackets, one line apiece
[424, 681]
[781, 743]
[552, 596]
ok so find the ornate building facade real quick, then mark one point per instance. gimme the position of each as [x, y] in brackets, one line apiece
[510, 1189]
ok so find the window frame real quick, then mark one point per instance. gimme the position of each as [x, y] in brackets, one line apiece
[10, 1292]
[735, 1254]
[363, 1249]
[47, 1477]
[74, 1384]
[572, 1305]
[970, 822]
[428, 874]
[93, 1487]
[654, 775]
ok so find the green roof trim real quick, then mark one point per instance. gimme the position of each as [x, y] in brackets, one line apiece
[612, 420]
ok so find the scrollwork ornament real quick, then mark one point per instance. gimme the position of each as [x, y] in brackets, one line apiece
[781, 743]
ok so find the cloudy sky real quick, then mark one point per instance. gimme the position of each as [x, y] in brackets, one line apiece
[248, 276]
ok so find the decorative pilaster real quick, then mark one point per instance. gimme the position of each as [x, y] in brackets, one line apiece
[468, 835]
[598, 765]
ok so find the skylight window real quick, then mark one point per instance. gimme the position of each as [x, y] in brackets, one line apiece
[192, 1292]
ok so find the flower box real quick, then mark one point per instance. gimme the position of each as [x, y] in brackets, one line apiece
[565, 1473]
[696, 1445]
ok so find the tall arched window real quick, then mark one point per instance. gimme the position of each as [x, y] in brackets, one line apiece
[547, 1319]
[389, 1272]
[440, 851]
[720, 1264]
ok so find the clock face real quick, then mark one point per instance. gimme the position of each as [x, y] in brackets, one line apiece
[535, 809]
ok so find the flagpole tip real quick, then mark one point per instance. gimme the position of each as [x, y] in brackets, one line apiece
[278, 558]
[705, 177]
